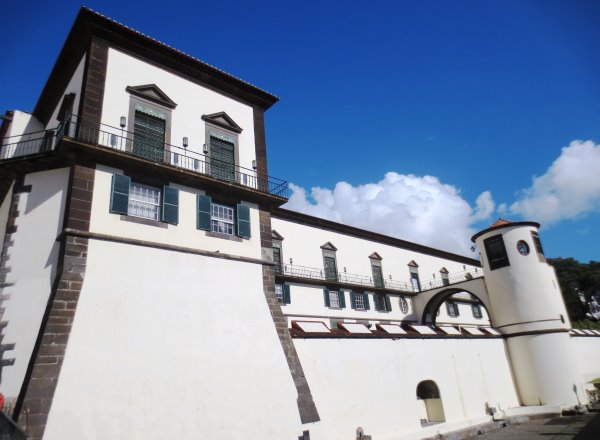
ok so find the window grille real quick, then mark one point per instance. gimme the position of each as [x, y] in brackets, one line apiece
[334, 299]
[279, 292]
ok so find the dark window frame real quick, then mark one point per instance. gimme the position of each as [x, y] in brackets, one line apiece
[495, 251]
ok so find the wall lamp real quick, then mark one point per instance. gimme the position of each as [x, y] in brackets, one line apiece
[185, 142]
[123, 122]
[205, 148]
[254, 164]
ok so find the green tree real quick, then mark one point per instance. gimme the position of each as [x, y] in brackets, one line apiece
[577, 278]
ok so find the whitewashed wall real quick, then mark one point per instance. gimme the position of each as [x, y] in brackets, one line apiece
[32, 263]
[372, 383]
[162, 347]
[587, 357]
[303, 244]
[192, 101]
[183, 234]
[74, 86]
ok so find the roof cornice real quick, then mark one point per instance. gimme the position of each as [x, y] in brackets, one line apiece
[90, 24]
[306, 219]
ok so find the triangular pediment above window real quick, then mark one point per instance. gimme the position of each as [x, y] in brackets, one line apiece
[222, 120]
[275, 235]
[375, 256]
[413, 264]
[329, 247]
[153, 93]
[443, 270]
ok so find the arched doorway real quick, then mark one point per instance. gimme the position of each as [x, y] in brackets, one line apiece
[459, 306]
[429, 399]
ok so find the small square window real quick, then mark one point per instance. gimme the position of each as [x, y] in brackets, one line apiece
[496, 252]
[452, 309]
[476, 309]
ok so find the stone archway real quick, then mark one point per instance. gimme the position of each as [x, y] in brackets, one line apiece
[429, 312]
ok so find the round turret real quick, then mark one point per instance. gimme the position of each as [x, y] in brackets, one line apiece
[528, 309]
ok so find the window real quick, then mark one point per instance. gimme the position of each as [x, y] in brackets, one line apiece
[360, 300]
[138, 200]
[431, 408]
[334, 299]
[496, 252]
[376, 270]
[144, 201]
[476, 309]
[222, 140]
[382, 303]
[222, 219]
[452, 309]
[149, 129]
[277, 257]
[282, 291]
[538, 245]
[414, 276]
[149, 120]
[445, 277]
[329, 262]
[222, 157]
[403, 305]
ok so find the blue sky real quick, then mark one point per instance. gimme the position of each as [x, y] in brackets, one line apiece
[479, 95]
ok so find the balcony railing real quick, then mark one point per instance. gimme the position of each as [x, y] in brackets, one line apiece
[315, 273]
[453, 278]
[114, 138]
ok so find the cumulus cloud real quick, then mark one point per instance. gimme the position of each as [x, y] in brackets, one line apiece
[569, 189]
[416, 208]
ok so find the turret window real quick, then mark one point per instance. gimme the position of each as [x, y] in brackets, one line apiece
[496, 252]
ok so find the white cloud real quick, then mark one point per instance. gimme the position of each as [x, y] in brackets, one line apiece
[414, 208]
[570, 188]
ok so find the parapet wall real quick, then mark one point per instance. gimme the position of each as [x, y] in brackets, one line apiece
[372, 383]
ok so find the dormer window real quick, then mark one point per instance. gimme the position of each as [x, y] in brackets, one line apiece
[376, 270]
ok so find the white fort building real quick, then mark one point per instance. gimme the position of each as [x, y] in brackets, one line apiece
[152, 287]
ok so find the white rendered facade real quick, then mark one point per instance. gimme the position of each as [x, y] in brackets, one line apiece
[148, 296]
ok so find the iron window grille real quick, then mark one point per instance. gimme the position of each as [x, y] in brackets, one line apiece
[144, 201]
[222, 219]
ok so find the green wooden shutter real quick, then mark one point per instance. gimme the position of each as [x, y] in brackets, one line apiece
[170, 205]
[243, 221]
[342, 299]
[287, 299]
[366, 301]
[203, 204]
[388, 303]
[353, 299]
[119, 194]
[326, 297]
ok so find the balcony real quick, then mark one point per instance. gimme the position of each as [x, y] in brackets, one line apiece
[453, 278]
[113, 138]
[344, 278]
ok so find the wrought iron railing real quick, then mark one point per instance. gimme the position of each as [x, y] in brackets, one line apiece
[113, 138]
[453, 278]
[315, 273]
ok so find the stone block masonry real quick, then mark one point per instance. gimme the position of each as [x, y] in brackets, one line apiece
[42, 375]
[306, 405]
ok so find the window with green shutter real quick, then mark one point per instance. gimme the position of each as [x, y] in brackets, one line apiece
[221, 218]
[170, 205]
[119, 194]
[138, 200]
[282, 291]
[334, 299]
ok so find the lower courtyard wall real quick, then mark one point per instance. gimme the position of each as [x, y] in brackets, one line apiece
[586, 350]
[371, 383]
[172, 345]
